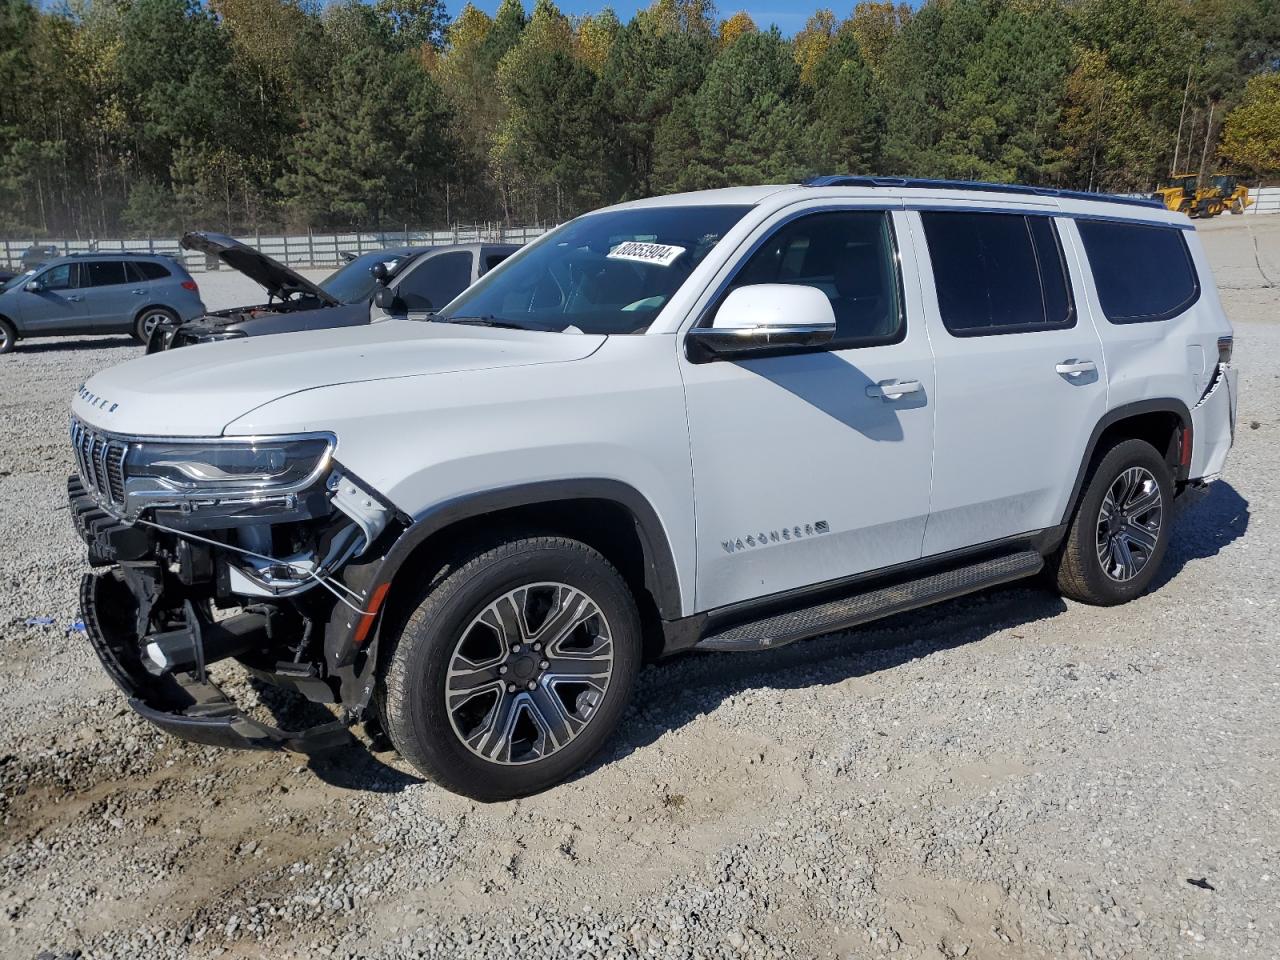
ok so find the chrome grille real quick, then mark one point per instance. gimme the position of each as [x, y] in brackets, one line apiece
[99, 461]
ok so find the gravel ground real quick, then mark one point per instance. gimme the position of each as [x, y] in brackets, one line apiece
[1007, 775]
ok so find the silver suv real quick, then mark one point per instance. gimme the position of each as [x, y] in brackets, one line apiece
[96, 294]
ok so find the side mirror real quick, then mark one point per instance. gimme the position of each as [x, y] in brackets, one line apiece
[385, 299]
[762, 318]
[34, 286]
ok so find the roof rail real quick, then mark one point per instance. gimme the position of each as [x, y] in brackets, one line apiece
[847, 180]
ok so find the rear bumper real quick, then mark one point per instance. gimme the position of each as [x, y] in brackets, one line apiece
[1213, 421]
[184, 704]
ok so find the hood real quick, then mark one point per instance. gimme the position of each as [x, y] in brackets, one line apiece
[280, 281]
[198, 390]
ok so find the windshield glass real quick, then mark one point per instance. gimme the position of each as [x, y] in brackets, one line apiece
[14, 282]
[603, 273]
[353, 282]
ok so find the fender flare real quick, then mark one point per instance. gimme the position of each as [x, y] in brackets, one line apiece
[355, 671]
[1155, 405]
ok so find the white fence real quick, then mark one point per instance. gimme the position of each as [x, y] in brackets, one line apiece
[305, 250]
[1266, 200]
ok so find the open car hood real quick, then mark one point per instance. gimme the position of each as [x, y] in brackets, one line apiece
[280, 281]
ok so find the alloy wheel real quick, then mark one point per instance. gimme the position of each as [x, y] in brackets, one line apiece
[528, 673]
[150, 321]
[1129, 524]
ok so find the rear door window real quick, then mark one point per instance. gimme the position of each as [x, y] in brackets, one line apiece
[434, 282]
[105, 273]
[998, 273]
[1143, 273]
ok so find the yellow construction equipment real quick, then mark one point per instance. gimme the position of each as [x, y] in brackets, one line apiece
[1184, 194]
[1178, 193]
[1233, 193]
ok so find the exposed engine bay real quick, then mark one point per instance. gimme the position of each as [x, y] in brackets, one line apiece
[280, 582]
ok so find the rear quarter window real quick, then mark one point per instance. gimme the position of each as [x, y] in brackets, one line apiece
[1143, 273]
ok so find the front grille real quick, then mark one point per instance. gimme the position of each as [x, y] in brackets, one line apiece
[99, 461]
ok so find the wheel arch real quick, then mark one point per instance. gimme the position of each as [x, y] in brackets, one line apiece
[608, 515]
[1162, 422]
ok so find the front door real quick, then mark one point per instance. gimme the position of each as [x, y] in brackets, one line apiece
[813, 466]
[57, 307]
[1020, 374]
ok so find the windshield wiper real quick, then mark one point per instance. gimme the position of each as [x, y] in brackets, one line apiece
[489, 320]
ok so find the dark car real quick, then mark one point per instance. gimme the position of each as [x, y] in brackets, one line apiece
[343, 299]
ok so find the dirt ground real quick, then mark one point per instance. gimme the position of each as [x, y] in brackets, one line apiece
[1006, 775]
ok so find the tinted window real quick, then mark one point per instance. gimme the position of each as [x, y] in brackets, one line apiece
[105, 273]
[998, 272]
[435, 281]
[1142, 273]
[850, 257]
[147, 269]
[608, 272]
[492, 260]
[61, 277]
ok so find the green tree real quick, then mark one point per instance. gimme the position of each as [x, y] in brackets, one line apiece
[847, 115]
[1251, 139]
[358, 162]
[748, 116]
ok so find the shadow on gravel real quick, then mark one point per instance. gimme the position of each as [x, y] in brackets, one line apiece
[63, 346]
[1203, 526]
[351, 768]
[673, 693]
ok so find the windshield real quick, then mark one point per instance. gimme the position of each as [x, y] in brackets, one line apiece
[602, 273]
[353, 282]
[14, 282]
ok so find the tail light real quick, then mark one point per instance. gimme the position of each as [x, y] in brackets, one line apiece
[1224, 349]
[195, 288]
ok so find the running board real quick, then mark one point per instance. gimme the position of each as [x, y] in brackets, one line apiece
[783, 628]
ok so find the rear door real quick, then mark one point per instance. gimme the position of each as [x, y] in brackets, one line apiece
[111, 300]
[1020, 372]
[58, 307]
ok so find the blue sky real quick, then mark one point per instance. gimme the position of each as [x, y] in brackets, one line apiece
[788, 18]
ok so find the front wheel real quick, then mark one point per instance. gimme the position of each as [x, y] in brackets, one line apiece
[148, 320]
[1120, 530]
[514, 670]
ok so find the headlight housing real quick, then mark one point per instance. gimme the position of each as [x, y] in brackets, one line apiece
[255, 464]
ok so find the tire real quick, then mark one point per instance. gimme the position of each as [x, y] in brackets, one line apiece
[532, 722]
[147, 321]
[8, 336]
[1111, 557]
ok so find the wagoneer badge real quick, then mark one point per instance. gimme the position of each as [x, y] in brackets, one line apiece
[96, 401]
[785, 535]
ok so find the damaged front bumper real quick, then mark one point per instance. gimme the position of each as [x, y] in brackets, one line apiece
[164, 604]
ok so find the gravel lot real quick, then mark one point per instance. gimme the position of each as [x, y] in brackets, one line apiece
[1007, 775]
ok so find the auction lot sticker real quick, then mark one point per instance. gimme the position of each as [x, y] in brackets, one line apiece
[659, 253]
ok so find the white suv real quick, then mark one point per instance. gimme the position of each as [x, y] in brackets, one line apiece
[724, 420]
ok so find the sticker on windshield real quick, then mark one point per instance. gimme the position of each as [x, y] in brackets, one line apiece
[659, 253]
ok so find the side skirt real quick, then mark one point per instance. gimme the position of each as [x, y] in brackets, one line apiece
[863, 607]
[777, 619]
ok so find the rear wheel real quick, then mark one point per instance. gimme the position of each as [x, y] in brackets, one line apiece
[8, 336]
[514, 670]
[1120, 531]
[149, 319]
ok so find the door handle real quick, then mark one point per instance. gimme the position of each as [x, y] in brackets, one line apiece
[893, 389]
[1073, 368]
[139, 292]
[74, 299]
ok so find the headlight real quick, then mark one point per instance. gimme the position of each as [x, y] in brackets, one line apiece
[266, 464]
